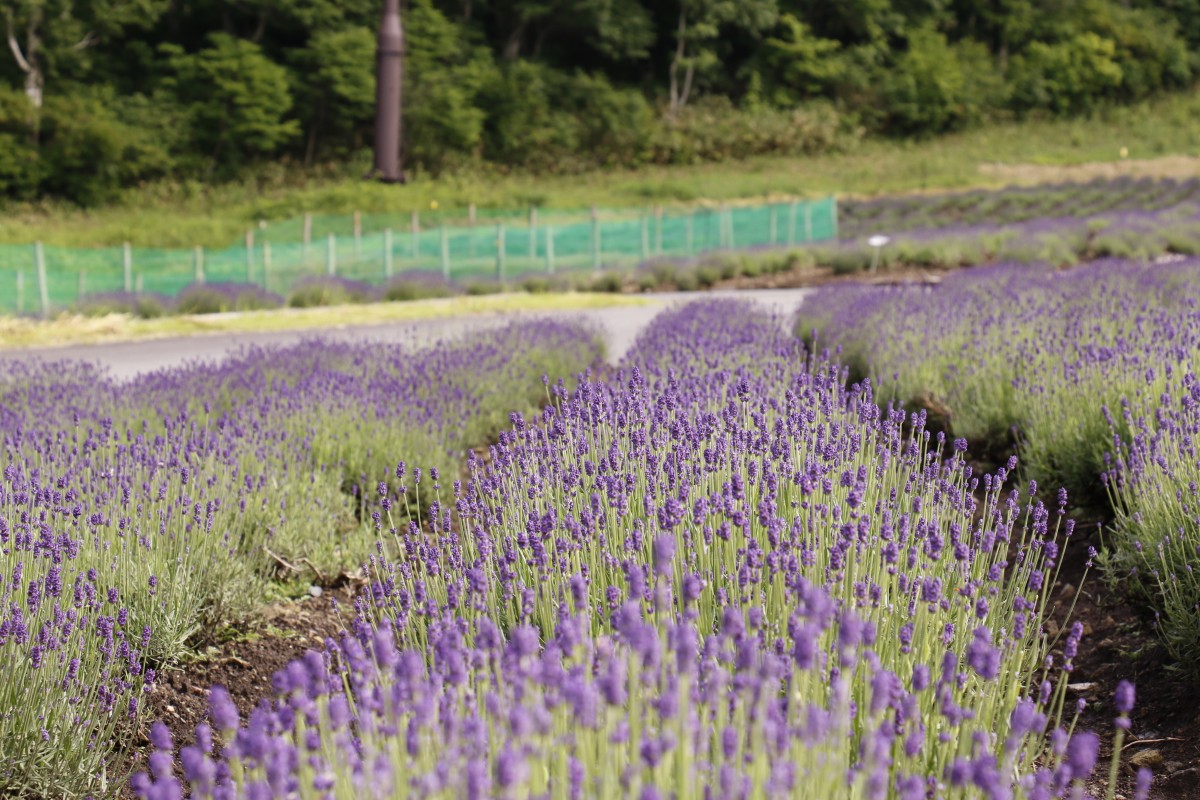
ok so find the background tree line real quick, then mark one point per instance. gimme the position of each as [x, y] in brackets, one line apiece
[97, 95]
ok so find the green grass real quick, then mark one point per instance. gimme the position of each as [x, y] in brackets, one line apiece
[173, 215]
[75, 329]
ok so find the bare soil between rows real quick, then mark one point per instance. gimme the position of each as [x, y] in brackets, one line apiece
[244, 664]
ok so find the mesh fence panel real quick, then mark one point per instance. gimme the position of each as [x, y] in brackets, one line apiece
[498, 246]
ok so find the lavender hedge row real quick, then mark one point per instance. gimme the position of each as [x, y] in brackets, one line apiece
[134, 516]
[717, 572]
[1089, 371]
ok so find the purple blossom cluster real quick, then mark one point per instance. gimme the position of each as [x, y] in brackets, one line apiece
[1014, 353]
[135, 516]
[717, 571]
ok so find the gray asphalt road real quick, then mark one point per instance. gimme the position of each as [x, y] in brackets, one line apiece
[619, 324]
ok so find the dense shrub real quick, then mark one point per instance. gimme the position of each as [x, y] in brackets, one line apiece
[144, 306]
[418, 285]
[215, 298]
[330, 291]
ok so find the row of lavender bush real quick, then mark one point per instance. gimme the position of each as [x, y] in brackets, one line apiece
[715, 572]
[135, 516]
[1090, 371]
[859, 218]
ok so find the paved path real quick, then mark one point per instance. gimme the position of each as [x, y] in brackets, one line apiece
[620, 326]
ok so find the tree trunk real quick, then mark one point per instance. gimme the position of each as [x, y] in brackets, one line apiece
[687, 85]
[512, 47]
[310, 149]
[261, 28]
[29, 59]
[676, 60]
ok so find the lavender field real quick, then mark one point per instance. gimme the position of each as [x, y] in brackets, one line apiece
[818, 556]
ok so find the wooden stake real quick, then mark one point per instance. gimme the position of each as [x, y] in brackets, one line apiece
[250, 256]
[39, 256]
[500, 252]
[445, 253]
[198, 263]
[595, 240]
[127, 265]
[387, 252]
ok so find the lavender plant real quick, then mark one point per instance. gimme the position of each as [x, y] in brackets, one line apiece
[1156, 537]
[716, 572]
[134, 516]
[1020, 350]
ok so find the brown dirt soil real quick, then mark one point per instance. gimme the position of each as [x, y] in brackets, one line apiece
[1119, 644]
[244, 665]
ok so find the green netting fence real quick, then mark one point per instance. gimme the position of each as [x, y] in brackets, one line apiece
[44, 279]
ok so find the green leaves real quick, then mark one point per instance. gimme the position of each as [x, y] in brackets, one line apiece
[237, 98]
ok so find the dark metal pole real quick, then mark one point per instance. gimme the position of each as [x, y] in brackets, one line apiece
[388, 95]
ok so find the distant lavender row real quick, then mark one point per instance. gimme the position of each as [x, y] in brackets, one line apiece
[135, 516]
[718, 572]
[1090, 372]
[861, 218]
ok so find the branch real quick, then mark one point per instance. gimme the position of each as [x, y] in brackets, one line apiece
[89, 39]
[13, 45]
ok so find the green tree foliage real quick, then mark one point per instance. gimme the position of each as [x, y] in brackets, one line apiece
[97, 95]
[236, 99]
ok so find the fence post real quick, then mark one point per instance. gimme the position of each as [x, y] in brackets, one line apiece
[532, 234]
[550, 249]
[645, 238]
[138, 284]
[500, 252]
[198, 264]
[81, 289]
[445, 252]
[721, 227]
[595, 239]
[357, 234]
[833, 214]
[331, 255]
[791, 236]
[127, 265]
[807, 221]
[416, 234]
[471, 235]
[249, 256]
[267, 265]
[688, 233]
[20, 291]
[658, 233]
[39, 256]
[307, 237]
[774, 224]
[387, 252]
[729, 226]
